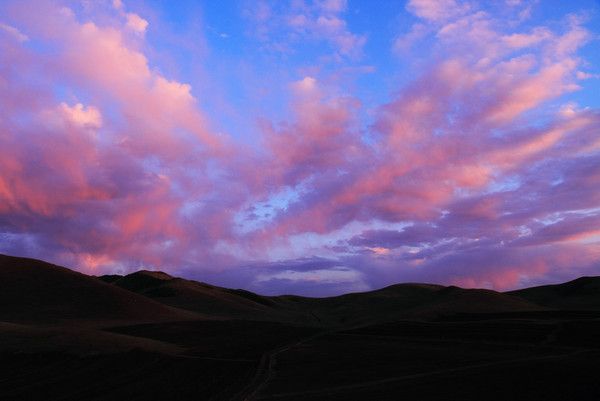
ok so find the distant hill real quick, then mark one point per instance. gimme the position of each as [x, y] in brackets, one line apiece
[580, 294]
[32, 290]
[402, 301]
[196, 296]
[35, 291]
[390, 303]
[149, 335]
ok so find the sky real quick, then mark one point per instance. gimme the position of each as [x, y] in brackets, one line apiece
[304, 147]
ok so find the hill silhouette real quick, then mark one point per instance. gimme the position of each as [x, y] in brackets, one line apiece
[195, 296]
[149, 335]
[582, 293]
[35, 291]
[38, 291]
[390, 303]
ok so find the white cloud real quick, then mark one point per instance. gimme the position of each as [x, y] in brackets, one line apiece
[14, 32]
[81, 116]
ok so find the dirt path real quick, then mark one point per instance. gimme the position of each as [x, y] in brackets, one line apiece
[399, 379]
[265, 370]
[266, 367]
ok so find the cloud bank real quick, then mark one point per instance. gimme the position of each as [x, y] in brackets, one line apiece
[476, 170]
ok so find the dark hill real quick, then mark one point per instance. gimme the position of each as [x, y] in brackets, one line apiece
[582, 293]
[410, 300]
[68, 336]
[199, 297]
[35, 291]
[402, 301]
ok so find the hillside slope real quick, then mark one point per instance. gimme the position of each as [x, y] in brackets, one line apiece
[198, 297]
[35, 291]
[402, 301]
[580, 294]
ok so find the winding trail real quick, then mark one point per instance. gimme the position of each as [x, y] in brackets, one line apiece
[265, 370]
[400, 379]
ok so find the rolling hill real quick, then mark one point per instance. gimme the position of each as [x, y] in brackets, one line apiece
[403, 301]
[35, 291]
[390, 303]
[196, 296]
[582, 293]
[148, 335]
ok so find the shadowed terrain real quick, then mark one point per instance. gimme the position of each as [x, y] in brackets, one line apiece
[578, 294]
[39, 292]
[195, 296]
[148, 335]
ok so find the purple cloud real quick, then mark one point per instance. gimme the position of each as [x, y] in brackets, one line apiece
[474, 166]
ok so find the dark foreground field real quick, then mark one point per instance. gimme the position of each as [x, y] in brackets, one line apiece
[149, 336]
[468, 360]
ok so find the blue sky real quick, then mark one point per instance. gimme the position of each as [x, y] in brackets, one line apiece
[314, 147]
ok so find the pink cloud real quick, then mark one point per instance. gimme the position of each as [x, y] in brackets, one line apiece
[136, 23]
[13, 32]
[102, 59]
[476, 172]
[80, 115]
[320, 137]
[520, 40]
[437, 10]
[280, 29]
[82, 167]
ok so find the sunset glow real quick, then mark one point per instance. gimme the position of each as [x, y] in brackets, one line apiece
[308, 147]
